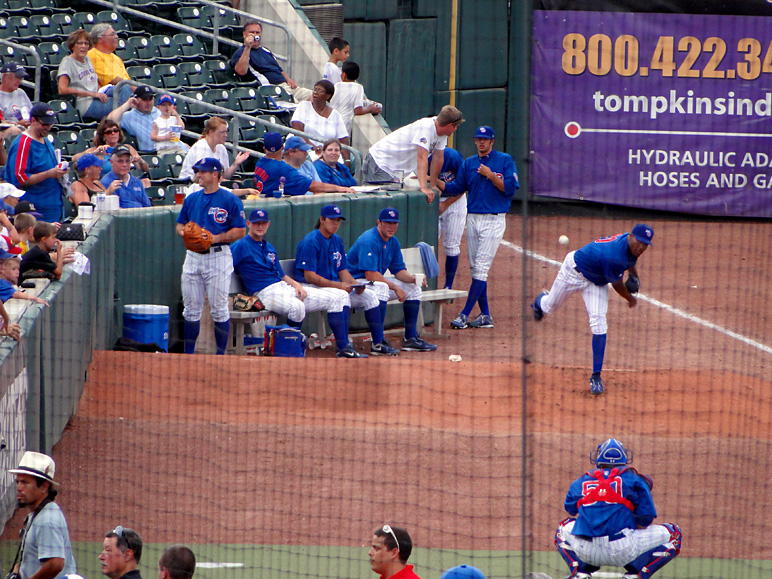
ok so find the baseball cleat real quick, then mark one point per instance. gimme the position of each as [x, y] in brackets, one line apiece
[383, 349]
[460, 323]
[350, 352]
[538, 314]
[482, 321]
[596, 385]
[417, 345]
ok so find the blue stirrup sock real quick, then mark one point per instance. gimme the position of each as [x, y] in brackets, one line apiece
[482, 301]
[375, 323]
[221, 332]
[337, 321]
[410, 308]
[190, 335]
[382, 307]
[598, 351]
[475, 290]
[451, 267]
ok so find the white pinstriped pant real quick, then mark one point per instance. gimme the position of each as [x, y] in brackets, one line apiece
[568, 282]
[207, 274]
[367, 300]
[600, 551]
[385, 293]
[483, 235]
[281, 298]
[451, 226]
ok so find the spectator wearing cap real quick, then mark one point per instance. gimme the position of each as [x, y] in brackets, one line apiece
[47, 552]
[10, 198]
[212, 144]
[32, 165]
[377, 251]
[108, 66]
[209, 273]
[76, 76]
[88, 183]
[270, 170]
[121, 554]
[137, 115]
[27, 207]
[14, 102]
[6, 227]
[296, 156]
[129, 189]
[108, 136]
[167, 127]
[330, 169]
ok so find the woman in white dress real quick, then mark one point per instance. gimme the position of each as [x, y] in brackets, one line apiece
[319, 119]
[212, 144]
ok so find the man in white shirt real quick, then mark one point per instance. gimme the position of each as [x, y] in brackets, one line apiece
[14, 102]
[408, 149]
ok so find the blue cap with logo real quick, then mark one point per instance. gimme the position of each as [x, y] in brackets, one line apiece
[484, 132]
[207, 165]
[258, 215]
[332, 212]
[88, 160]
[296, 143]
[643, 233]
[43, 113]
[167, 98]
[389, 215]
[272, 142]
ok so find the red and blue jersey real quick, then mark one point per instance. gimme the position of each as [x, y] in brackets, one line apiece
[605, 260]
[316, 253]
[268, 173]
[484, 196]
[257, 263]
[216, 212]
[28, 157]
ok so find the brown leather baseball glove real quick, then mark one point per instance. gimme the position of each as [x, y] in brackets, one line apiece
[196, 237]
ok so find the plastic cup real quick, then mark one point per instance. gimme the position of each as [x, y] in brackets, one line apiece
[176, 132]
[419, 279]
[179, 194]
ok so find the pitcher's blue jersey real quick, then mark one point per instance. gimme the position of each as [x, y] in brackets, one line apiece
[316, 253]
[257, 263]
[484, 196]
[371, 253]
[605, 260]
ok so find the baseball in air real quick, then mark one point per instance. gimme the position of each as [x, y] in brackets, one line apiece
[563, 240]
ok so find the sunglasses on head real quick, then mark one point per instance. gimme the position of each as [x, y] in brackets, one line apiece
[388, 529]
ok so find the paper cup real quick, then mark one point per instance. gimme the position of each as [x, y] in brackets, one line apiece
[419, 279]
[85, 210]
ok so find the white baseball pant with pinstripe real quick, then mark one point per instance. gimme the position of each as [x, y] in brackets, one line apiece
[207, 274]
[483, 236]
[568, 282]
[281, 298]
[451, 226]
[385, 293]
[600, 551]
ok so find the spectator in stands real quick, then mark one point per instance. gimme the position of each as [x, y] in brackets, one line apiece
[9, 276]
[389, 552]
[137, 115]
[14, 102]
[130, 190]
[108, 136]
[319, 119]
[407, 150]
[6, 227]
[339, 52]
[296, 155]
[270, 170]
[349, 98]
[108, 65]
[76, 76]
[176, 562]
[88, 183]
[377, 251]
[257, 62]
[212, 144]
[27, 207]
[32, 165]
[38, 258]
[328, 167]
[168, 127]
[25, 226]
[121, 553]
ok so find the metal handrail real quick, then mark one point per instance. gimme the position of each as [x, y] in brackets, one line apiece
[38, 65]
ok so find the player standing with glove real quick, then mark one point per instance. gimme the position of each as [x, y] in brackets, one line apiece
[589, 270]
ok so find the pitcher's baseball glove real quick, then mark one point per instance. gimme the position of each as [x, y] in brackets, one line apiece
[196, 237]
[244, 303]
[633, 284]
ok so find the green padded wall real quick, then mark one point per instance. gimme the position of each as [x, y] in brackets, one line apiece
[480, 107]
[482, 44]
[305, 213]
[381, 9]
[282, 232]
[519, 89]
[368, 49]
[354, 9]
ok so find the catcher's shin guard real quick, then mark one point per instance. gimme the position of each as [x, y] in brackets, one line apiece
[651, 561]
[577, 568]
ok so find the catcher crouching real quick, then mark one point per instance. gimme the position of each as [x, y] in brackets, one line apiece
[209, 221]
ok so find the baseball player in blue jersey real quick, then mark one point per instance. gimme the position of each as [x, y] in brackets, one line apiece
[377, 251]
[320, 261]
[221, 213]
[611, 520]
[490, 178]
[452, 215]
[589, 270]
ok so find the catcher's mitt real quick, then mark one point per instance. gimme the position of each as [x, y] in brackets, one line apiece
[245, 303]
[196, 237]
[633, 284]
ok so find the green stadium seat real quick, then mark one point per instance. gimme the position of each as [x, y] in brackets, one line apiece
[198, 76]
[251, 134]
[218, 96]
[167, 47]
[47, 27]
[145, 75]
[67, 116]
[51, 54]
[67, 24]
[127, 53]
[191, 47]
[85, 20]
[26, 31]
[173, 78]
[223, 76]
[247, 100]
[146, 53]
[118, 21]
[193, 17]
[7, 29]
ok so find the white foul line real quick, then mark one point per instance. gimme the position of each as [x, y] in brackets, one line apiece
[658, 303]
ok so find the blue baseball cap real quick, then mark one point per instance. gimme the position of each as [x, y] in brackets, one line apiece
[463, 572]
[643, 233]
[272, 142]
[296, 143]
[167, 98]
[389, 215]
[332, 212]
[484, 132]
[43, 113]
[258, 215]
[207, 165]
[88, 160]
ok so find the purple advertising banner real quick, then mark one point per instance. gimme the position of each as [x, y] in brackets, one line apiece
[661, 111]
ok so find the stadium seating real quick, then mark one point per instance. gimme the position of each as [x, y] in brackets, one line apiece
[198, 76]
[145, 75]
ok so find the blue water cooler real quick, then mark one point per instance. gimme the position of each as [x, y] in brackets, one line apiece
[147, 324]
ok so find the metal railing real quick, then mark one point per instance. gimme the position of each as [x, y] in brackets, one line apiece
[38, 65]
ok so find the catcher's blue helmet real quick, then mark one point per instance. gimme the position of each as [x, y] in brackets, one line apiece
[611, 453]
[463, 572]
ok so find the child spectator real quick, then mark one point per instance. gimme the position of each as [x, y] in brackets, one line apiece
[339, 51]
[9, 276]
[349, 98]
[167, 127]
[38, 259]
[6, 227]
[25, 225]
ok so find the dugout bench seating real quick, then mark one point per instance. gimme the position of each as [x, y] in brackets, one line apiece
[413, 264]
